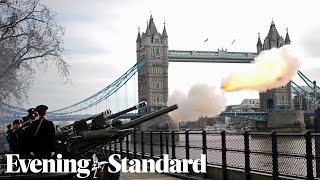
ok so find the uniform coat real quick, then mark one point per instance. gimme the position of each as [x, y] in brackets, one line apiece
[12, 137]
[25, 139]
[42, 142]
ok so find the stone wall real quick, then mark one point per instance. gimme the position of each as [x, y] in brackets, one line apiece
[282, 119]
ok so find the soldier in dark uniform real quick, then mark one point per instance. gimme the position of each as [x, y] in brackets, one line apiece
[33, 114]
[13, 136]
[9, 127]
[25, 119]
[25, 134]
[42, 135]
[8, 132]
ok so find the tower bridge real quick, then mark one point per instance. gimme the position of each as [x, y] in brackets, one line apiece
[153, 57]
[153, 76]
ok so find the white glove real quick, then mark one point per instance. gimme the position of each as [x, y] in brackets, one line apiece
[32, 154]
[52, 153]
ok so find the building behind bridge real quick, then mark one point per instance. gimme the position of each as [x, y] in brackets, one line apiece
[247, 105]
[201, 123]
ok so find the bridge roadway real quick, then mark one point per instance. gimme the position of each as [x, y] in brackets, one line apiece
[220, 56]
[256, 116]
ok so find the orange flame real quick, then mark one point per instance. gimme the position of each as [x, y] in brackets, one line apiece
[271, 69]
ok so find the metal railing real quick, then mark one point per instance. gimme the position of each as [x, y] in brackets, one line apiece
[294, 155]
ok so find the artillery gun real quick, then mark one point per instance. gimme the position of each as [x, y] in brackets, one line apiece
[76, 141]
[80, 139]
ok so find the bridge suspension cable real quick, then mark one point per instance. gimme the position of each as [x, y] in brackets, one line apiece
[309, 83]
[89, 102]
[13, 109]
[310, 99]
[102, 94]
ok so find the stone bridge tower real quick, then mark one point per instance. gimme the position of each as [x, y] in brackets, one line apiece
[279, 98]
[153, 76]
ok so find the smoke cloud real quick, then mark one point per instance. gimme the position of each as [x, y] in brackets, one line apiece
[271, 69]
[201, 100]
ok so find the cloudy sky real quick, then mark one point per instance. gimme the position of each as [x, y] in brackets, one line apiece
[100, 37]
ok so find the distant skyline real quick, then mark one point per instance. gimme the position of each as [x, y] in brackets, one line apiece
[100, 38]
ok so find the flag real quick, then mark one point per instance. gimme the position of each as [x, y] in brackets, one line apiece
[206, 40]
[233, 41]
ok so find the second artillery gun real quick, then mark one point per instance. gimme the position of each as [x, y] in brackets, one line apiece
[76, 141]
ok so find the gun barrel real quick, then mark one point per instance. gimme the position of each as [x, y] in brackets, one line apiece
[145, 118]
[138, 106]
[91, 117]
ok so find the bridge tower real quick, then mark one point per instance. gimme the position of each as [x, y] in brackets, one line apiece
[279, 98]
[153, 76]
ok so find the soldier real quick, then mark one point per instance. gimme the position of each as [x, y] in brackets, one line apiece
[25, 134]
[32, 114]
[9, 127]
[8, 131]
[25, 119]
[42, 135]
[13, 136]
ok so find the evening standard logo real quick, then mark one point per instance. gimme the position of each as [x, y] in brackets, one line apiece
[113, 165]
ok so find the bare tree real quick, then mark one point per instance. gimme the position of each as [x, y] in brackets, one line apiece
[30, 39]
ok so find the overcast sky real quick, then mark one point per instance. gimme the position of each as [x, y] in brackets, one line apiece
[100, 37]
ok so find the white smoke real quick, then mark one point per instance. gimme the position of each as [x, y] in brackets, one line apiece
[201, 100]
[271, 69]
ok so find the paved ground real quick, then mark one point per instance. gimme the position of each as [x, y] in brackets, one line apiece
[145, 176]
